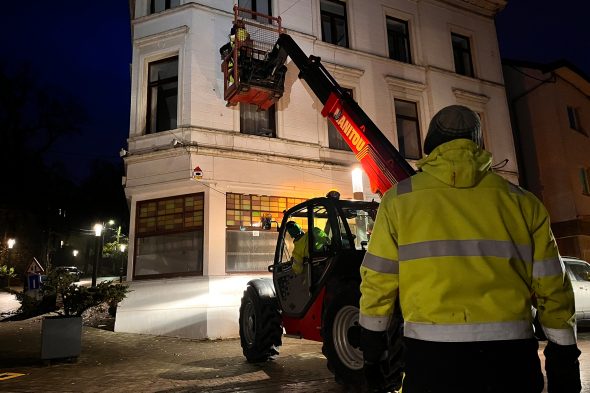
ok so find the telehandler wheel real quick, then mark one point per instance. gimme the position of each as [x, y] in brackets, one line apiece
[341, 341]
[261, 326]
[341, 335]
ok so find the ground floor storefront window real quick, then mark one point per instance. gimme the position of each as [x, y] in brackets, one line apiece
[169, 237]
[249, 246]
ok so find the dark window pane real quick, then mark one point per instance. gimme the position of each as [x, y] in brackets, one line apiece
[259, 6]
[408, 129]
[335, 139]
[162, 96]
[255, 122]
[462, 55]
[334, 22]
[161, 5]
[398, 40]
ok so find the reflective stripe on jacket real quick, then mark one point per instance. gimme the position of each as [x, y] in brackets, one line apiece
[466, 252]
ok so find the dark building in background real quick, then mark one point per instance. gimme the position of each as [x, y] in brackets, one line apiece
[550, 111]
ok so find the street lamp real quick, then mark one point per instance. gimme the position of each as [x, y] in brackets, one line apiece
[11, 243]
[75, 253]
[122, 247]
[97, 242]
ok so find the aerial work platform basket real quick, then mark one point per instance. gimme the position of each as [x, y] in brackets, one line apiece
[249, 76]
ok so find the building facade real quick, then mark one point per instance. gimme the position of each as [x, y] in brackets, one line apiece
[200, 175]
[550, 107]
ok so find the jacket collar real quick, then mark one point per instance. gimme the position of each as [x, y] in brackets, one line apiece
[459, 163]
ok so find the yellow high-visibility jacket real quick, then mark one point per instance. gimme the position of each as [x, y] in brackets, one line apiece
[301, 248]
[468, 253]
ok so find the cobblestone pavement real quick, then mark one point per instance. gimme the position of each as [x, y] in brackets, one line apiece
[123, 362]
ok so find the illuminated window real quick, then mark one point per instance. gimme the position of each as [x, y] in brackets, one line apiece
[398, 40]
[169, 236]
[162, 100]
[408, 129]
[462, 55]
[334, 24]
[249, 247]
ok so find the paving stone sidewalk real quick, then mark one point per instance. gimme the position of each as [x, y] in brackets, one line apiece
[124, 362]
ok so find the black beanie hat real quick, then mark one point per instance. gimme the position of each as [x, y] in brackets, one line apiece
[450, 123]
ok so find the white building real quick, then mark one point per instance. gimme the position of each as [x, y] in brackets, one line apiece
[194, 243]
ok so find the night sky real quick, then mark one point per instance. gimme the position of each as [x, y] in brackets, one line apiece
[84, 48]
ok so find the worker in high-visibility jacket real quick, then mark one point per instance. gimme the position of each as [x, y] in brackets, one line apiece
[301, 244]
[467, 254]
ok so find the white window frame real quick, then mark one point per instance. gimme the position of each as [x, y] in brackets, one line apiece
[152, 48]
[407, 90]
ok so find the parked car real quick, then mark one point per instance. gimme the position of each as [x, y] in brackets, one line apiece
[71, 270]
[579, 273]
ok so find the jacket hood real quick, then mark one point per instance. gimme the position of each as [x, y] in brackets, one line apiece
[459, 163]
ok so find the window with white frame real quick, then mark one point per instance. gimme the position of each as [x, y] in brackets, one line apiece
[258, 6]
[408, 129]
[462, 54]
[334, 22]
[398, 39]
[169, 237]
[161, 5]
[162, 95]
[257, 122]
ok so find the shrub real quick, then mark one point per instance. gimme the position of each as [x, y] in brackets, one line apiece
[60, 293]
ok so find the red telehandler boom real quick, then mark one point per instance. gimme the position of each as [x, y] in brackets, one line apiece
[322, 303]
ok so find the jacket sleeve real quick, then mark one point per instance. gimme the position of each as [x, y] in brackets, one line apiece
[551, 285]
[380, 269]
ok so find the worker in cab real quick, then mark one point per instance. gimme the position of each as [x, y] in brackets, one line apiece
[301, 244]
[467, 254]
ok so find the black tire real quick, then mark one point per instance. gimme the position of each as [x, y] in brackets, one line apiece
[341, 340]
[261, 327]
[341, 334]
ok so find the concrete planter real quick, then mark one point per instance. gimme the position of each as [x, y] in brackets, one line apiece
[61, 337]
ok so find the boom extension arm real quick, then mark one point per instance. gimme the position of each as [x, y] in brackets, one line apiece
[383, 164]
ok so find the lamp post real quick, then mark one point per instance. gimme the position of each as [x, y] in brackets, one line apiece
[10, 244]
[97, 242]
[122, 247]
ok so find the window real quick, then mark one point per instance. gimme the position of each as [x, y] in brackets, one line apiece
[585, 181]
[255, 122]
[259, 6]
[161, 5]
[398, 39]
[335, 140]
[574, 119]
[162, 100]
[169, 237]
[462, 55]
[248, 246]
[408, 129]
[334, 24]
